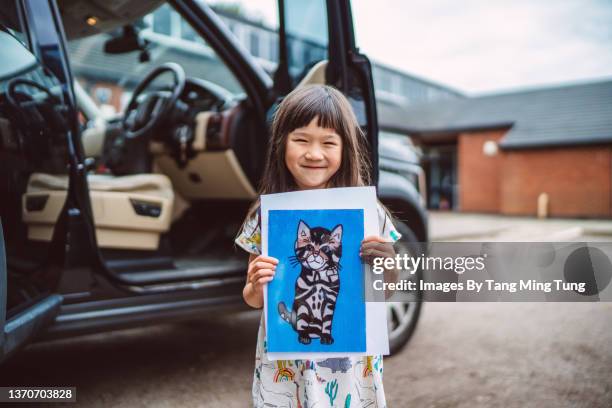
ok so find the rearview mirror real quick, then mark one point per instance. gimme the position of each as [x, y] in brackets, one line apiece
[127, 41]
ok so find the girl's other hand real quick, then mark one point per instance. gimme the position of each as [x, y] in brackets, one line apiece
[261, 271]
[374, 247]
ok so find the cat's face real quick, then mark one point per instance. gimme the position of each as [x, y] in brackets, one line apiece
[318, 248]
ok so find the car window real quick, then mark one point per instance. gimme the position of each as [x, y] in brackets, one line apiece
[255, 24]
[109, 78]
[307, 35]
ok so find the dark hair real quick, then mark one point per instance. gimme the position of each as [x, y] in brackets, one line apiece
[332, 110]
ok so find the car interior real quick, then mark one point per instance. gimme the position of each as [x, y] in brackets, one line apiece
[170, 178]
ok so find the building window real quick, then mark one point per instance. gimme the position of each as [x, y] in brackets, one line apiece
[161, 20]
[254, 43]
[273, 44]
[382, 80]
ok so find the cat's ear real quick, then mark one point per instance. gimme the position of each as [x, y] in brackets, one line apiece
[303, 230]
[337, 233]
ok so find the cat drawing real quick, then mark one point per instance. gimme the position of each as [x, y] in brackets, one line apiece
[318, 251]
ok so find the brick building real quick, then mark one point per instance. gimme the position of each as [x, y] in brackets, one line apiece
[498, 153]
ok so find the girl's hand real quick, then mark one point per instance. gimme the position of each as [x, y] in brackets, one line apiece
[261, 270]
[375, 246]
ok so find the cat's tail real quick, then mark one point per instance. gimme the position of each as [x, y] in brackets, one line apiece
[286, 314]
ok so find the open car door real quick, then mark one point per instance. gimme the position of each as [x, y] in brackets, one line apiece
[22, 325]
[317, 45]
[33, 131]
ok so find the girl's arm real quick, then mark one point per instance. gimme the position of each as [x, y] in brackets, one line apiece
[261, 270]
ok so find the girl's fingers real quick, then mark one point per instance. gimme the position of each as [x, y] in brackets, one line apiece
[374, 253]
[268, 259]
[371, 250]
[257, 266]
[386, 249]
[259, 284]
[376, 245]
[373, 238]
[264, 265]
[262, 273]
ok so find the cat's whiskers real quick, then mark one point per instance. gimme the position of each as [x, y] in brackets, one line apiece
[294, 260]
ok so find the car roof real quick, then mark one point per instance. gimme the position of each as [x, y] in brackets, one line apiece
[108, 14]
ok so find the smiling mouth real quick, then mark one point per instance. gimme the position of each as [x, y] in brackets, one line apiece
[315, 167]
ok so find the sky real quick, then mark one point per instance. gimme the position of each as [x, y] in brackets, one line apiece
[484, 46]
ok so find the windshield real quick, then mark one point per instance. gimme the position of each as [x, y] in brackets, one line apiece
[109, 78]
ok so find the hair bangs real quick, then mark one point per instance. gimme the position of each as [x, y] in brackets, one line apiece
[319, 103]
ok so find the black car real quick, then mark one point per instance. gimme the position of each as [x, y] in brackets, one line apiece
[124, 216]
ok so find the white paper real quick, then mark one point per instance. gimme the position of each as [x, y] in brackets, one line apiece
[377, 341]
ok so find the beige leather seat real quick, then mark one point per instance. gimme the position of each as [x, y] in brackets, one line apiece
[130, 212]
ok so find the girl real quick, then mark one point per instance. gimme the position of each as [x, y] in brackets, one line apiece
[316, 143]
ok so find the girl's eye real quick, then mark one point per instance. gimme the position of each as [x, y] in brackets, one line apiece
[300, 140]
[331, 143]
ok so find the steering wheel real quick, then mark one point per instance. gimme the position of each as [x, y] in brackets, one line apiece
[11, 91]
[141, 117]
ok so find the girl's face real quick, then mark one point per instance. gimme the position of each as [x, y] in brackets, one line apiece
[313, 155]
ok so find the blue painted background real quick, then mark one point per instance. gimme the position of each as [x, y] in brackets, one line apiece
[348, 325]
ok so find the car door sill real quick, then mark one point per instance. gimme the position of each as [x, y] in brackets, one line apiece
[210, 270]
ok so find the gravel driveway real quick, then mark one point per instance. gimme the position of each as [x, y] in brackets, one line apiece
[462, 355]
